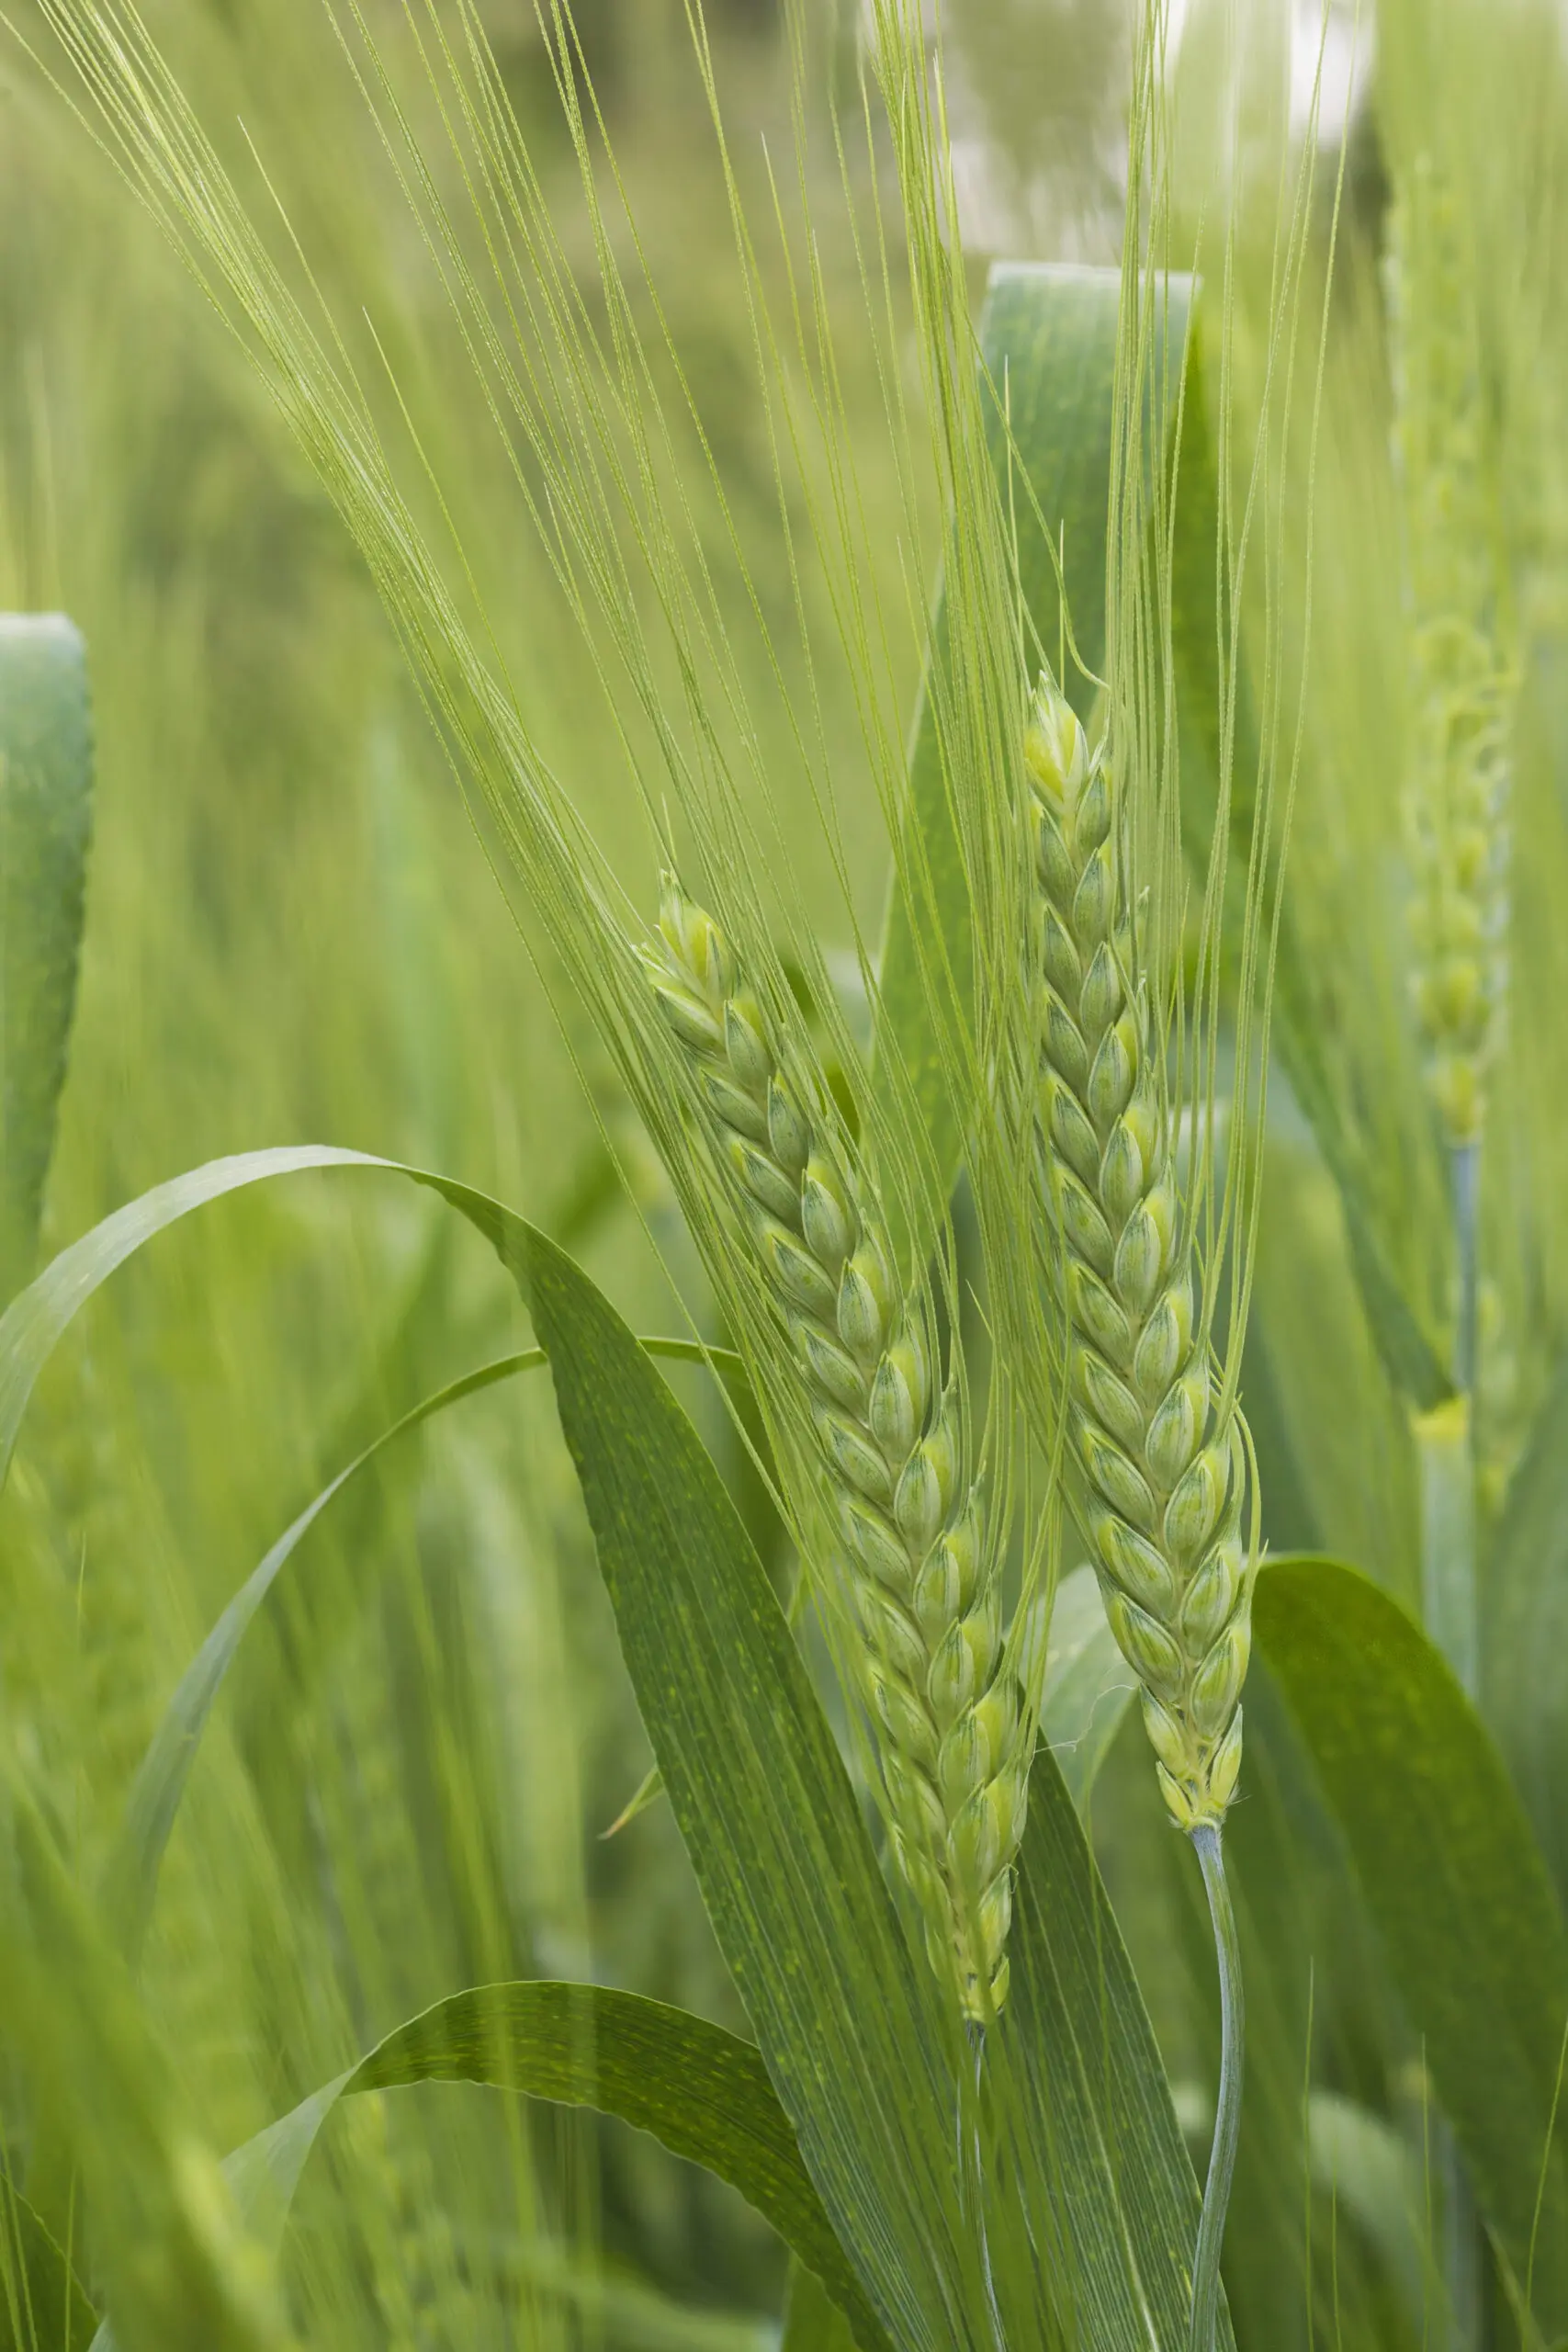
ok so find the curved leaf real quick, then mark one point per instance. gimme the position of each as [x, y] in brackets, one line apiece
[812, 2321]
[1048, 343]
[852, 2032]
[130, 1876]
[1455, 1884]
[855, 2038]
[1525, 1630]
[703, 2092]
[35, 1321]
[42, 2301]
[46, 786]
[1077, 2040]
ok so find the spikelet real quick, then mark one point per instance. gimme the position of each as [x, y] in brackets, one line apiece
[1462, 682]
[919, 1579]
[1163, 1479]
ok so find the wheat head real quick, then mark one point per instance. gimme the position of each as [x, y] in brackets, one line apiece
[1162, 1473]
[1462, 684]
[952, 1725]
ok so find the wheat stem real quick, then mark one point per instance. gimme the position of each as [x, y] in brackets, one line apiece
[1227, 2113]
[921, 1584]
[1464, 1186]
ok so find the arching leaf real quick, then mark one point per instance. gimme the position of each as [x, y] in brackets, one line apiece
[1455, 1885]
[703, 2092]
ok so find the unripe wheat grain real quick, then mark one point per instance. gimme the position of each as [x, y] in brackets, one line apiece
[952, 1724]
[1163, 1476]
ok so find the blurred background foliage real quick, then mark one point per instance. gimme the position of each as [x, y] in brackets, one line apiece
[293, 935]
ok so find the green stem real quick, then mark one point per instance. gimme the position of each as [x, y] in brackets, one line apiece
[1447, 1448]
[1227, 2112]
[972, 2173]
[1464, 1184]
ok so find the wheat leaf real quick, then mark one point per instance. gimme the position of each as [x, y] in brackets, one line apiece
[42, 2300]
[1048, 343]
[700, 2090]
[848, 2023]
[1455, 1885]
[1525, 1600]
[46, 778]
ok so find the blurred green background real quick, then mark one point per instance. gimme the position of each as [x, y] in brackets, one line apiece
[296, 933]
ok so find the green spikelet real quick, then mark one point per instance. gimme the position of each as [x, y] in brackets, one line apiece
[920, 1578]
[1463, 680]
[1163, 1479]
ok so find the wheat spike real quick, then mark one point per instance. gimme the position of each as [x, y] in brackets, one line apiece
[1163, 1475]
[1462, 684]
[953, 1732]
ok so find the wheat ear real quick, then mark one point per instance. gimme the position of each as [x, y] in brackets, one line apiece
[1163, 1472]
[923, 1588]
[1462, 680]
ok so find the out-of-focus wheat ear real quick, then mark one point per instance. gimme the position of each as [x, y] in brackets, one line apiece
[916, 1571]
[1163, 1465]
[1463, 674]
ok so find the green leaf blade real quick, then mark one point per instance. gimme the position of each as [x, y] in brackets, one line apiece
[1455, 1884]
[851, 2033]
[1048, 341]
[46, 786]
[703, 2092]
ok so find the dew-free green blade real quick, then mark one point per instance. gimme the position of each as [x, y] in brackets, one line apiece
[702, 2091]
[812, 2321]
[46, 782]
[1086, 2079]
[1524, 1601]
[850, 2028]
[175, 2265]
[42, 2300]
[130, 1875]
[1048, 341]
[1455, 1885]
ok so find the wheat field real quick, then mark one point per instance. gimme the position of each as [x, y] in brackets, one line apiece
[784, 1287]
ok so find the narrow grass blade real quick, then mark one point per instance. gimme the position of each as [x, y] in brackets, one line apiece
[46, 782]
[850, 2026]
[1048, 341]
[1077, 2040]
[1455, 1885]
[43, 2305]
[130, 1877]
[176, 2264]
[35, 1319]
[703, 2092]
[851, 2031]
[1525, 1630]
